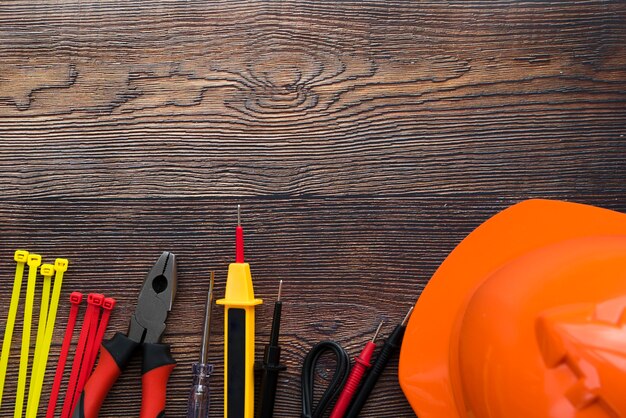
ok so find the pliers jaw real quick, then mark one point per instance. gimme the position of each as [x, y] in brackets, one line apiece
[155, 301]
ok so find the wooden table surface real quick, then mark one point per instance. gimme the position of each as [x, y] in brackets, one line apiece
[363, 140]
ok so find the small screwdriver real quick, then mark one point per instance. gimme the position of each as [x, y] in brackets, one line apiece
[391, 345]
[362, 363]
[198, 406]
[271, 363]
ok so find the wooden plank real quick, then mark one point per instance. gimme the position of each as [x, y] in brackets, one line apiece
[304, 99]
[364, 139]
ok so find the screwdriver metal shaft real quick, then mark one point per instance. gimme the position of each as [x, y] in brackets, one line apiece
[198, 405]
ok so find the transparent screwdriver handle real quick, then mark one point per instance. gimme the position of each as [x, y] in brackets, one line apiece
[198, 406]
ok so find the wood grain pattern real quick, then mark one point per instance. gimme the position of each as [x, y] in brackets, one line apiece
[364, 140]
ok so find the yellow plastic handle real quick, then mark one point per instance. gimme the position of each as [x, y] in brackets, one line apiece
[239, 306]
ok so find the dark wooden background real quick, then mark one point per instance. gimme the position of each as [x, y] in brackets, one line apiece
[363, 139]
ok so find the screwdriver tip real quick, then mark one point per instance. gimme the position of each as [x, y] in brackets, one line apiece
[407, 316]
[206, 333]
[238, 215]
[377, 331]
[280, 290]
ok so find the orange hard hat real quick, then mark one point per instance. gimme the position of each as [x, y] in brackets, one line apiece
[525, 318]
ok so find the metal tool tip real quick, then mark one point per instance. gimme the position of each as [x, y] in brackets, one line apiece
[206, 333]
[280, 290]
[407, 316]
[238, 215]
[377, 331]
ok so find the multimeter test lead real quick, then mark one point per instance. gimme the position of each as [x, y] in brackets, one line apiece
[271, 363]
[392, 344]
[199, 402]
[362, 363]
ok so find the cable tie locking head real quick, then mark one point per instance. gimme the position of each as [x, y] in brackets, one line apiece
[34, 260]
[21, 256]
[95, 299]
[47, 270]
[76, 298]
[60, 264]
[108, 304]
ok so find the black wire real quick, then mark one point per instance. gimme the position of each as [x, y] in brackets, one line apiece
[308, 376]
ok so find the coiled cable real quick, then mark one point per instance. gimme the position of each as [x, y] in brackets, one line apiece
[308, 377]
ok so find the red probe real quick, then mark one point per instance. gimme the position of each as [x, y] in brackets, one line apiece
[362, 363]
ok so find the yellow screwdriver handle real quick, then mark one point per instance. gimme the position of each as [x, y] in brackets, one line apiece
[239, 304]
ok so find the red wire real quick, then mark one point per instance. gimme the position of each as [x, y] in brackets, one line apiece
[75, 299]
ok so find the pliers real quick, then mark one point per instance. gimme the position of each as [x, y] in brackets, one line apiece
[146, 327]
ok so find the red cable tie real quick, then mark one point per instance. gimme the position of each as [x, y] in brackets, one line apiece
[85, 371]
[75, 299]
[89, 362]
[90, 313]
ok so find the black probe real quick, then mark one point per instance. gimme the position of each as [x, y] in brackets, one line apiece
[271, 363]
[391, 346]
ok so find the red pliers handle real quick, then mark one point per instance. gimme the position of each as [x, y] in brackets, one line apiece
[114, 356]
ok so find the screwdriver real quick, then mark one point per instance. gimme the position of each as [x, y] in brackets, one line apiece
[271, 363]
[239, 303]
[198, 405]
[393, 343]
[362, 363]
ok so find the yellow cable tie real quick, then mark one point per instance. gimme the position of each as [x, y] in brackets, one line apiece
[60, 266]
[20, 257]
[47, 271]
[34, 261]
